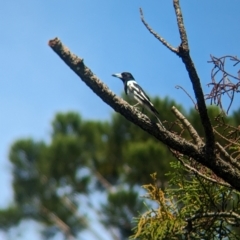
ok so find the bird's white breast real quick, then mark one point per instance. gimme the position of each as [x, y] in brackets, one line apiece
[130, 88]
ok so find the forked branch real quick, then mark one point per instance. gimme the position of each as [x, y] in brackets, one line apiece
[183, 52]
[220, 167]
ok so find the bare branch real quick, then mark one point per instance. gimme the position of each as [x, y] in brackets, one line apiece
[215, 214]
[118, 104]
[204, 156]
[233, 143]
[194, 170]
[180, 87]
[181, 28]
[227, 156]
[189, 127]
[103, 181]
[186, 58]
[73, 208]
[61, 224]
[183, 53]
[157, 36]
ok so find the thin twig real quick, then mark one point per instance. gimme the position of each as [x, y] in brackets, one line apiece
[235, 143]
[215, 214]
[194, 170]
[220, 63]
[227, 156]
[225, 85]
[188, 125]
[180, 87]
[157, 36]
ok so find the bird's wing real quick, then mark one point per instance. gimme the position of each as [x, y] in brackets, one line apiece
[141, 96]
[138, 91]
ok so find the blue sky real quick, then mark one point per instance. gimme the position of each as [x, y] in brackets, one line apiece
[35, 84]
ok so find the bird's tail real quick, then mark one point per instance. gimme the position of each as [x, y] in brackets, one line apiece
[156, 114]
[154, 110]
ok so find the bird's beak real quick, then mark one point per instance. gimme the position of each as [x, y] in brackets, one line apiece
[118, 75]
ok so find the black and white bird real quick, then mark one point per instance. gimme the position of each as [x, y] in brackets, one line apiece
[133, 90]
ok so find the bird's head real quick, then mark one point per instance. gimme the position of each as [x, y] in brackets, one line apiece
[124, 76]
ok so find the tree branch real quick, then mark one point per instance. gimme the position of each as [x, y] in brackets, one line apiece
[186, 58]
[183, 53]
[194, 170]
[221, 168]
[215, 214]
[61, 224]
[181, 28]
[189, 127]
[231, 160]
[157, 36]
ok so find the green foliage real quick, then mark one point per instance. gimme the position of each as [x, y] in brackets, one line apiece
[122, 206]
[159, 223]
[144, 157]
[9, 217]
[236, 117]
[192, 207]
[85, 159]
[80, 159]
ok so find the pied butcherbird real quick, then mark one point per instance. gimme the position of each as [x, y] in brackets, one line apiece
[134, 90]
